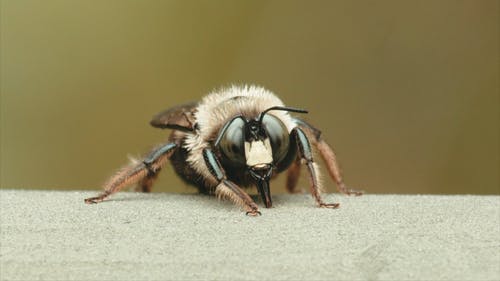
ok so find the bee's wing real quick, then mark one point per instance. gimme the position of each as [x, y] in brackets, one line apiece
[180, 118]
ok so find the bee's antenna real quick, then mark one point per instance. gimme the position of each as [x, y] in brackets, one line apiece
[224, 129]
[283, 108]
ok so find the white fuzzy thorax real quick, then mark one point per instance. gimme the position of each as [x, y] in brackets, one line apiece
[219, 107]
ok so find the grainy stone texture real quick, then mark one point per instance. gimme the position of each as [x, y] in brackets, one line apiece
[48, 235]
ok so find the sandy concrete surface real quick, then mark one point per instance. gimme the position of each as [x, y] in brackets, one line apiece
[48, 235]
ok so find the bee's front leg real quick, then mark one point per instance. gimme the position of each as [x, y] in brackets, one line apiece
[227, 188]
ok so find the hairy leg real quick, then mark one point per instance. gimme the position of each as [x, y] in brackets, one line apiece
[328, 156]
[136, 172]
[332, 165]
[226, 188]
[147, 182]
[305, 153]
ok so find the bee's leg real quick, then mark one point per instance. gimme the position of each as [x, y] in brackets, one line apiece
[293, 177]
[143, 172]
[227, 188]
[332, 165]
[328, 156]
[147, 182]
[305, 153]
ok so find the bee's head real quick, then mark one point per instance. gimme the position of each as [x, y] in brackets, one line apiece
[258, 144]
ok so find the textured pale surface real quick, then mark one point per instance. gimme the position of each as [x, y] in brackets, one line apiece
[55, 236]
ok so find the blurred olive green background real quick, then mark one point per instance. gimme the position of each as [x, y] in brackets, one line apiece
[407, 92]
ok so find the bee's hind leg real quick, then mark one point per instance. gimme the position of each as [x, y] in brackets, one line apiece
[144, 173]
[332, 165]
[328, 155]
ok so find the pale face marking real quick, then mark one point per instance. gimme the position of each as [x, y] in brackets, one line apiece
[258, 153]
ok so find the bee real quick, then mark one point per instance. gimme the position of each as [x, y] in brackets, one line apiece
[234, 138]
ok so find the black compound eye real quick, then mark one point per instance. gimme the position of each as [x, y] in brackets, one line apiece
[278, 136]
[232, 142]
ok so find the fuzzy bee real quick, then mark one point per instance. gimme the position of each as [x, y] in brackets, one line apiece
[232, 139]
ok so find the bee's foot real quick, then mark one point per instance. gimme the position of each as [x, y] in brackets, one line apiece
[329, 205]
[94, 200]
[254, 213]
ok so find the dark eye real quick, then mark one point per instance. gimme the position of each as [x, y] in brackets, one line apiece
[232, 142]
[278, 135]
